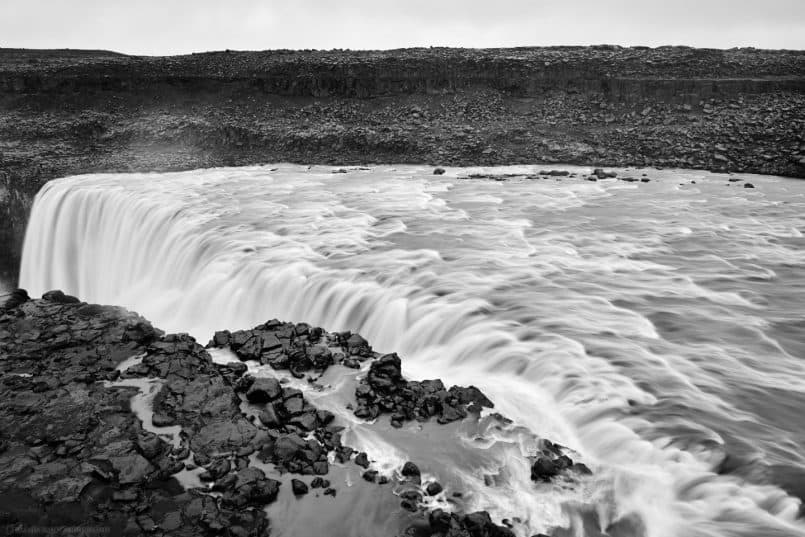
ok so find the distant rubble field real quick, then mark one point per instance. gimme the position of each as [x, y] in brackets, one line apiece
[67, 112]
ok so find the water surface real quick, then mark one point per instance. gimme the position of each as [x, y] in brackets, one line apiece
[656, 328]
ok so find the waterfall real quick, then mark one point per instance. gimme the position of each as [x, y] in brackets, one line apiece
[507, 286]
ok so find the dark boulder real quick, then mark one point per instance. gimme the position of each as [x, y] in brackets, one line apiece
[16, 298]
[433, 488]
[298, 487]
[60, 298]
[264, 390]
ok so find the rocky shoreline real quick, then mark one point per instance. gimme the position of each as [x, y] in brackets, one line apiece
[70, 112]
[110, 426]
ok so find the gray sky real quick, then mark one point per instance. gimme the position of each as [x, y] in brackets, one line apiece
[180, 26]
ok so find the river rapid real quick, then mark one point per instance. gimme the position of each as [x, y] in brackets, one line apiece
[656, 328]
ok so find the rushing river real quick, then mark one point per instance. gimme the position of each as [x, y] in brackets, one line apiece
[658, 329]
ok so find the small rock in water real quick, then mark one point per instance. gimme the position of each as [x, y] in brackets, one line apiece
[438, 171]
[434, 488]
[299, 487]
[749, 185]
[362, 460]
[410, 469]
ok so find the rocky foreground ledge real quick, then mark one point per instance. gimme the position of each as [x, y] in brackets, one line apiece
[109, 426]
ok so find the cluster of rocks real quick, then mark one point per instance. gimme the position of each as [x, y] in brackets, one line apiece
[74, 451]
[298, 348]
[385, 391]
[551, 461]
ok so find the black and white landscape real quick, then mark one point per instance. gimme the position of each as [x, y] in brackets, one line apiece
[425, 291]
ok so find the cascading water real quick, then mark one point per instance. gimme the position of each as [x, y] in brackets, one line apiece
[652, 327]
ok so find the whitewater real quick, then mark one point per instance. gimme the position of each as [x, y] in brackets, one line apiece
[655, 328]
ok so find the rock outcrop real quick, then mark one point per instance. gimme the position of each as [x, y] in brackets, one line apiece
[80, 447]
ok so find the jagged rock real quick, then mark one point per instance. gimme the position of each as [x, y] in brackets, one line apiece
[60, 298]
[264, 390]
[410, 469]
[384, 390]
[17, 297]
[479, 524]
[299, 487]
[362, 460]
[252, 488]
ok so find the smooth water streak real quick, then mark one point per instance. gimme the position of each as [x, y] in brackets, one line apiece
[645, 325]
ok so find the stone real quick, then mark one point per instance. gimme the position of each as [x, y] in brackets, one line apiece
[131, 468]
[269, 417]
[299, 487]
[362, 460]
[410, 469]
[544, 469]
[433, 488]
[60, 298]
[264, 390]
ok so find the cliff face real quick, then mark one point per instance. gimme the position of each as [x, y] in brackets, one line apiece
[67, 112]
[677, 73]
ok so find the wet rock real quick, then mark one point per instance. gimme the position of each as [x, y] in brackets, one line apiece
[299, 487]
[270, 418]
[552, 461]
[362, 460]
[60, 298]
[544, 469]
[252, 488]
[384, 390]
[410, 469]
[438, 171]
[16, 298]
[264, 390]
[433, 488]
[446, 524]
[749, 185]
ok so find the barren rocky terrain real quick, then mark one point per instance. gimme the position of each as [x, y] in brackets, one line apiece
[69, 112]
[83, 452]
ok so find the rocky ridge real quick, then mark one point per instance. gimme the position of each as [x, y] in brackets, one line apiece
[80, 447]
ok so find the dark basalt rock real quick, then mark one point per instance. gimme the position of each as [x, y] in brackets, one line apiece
[384, 390]
[263, 390]
[410, 469]
[60, 298]
[17, 297]
[70, 440]
[297, 348]
[478, 524]
[299, 487]
[433, 488]
[438, 171]
[551, 462]
[65, 436]
[252, 488]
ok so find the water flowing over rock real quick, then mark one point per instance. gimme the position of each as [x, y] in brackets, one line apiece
[73, 429]
[642, 346]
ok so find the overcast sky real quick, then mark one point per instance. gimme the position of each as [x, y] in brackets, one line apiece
[179, 26]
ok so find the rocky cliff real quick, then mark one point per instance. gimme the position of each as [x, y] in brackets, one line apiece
[67, 112]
